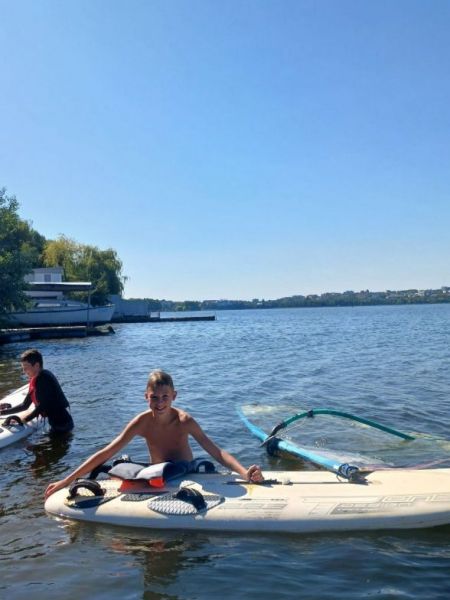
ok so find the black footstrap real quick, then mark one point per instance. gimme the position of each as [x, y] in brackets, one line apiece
[205, 466]
[87, 484]
[100, 469]
[192, 496]
[10, 421]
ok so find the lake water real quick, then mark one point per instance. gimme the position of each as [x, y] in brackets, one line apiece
[389, 364]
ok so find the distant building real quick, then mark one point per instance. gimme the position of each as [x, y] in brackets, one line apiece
[424, 293]
[45, 275]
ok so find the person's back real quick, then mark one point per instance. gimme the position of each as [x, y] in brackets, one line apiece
[52, 400]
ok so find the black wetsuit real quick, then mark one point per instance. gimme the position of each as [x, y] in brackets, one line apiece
[51, 403]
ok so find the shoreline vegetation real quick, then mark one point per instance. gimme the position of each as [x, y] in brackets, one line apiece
[23, 249]
[348, 298]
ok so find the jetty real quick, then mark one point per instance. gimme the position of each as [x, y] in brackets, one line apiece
[24, 334]
[156, 318]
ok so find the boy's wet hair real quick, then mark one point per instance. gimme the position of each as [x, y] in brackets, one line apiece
[32, 356]
[159, 378]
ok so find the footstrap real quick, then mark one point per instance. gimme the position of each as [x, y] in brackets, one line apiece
[87, 484]
[192, 496]
[10, 421]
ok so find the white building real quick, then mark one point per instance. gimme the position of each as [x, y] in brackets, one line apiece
[45, 275]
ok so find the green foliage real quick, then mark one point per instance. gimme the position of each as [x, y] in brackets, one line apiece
[187, 305]
[16, 255]
[22, 249]
[82, 262]
[31, 243]
[153, 305]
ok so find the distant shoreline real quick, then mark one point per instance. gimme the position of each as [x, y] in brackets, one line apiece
[364, 298]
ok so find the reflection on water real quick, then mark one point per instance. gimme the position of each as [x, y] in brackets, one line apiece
[388, 364]
[161, 558]
[192, 565]
[47, 452]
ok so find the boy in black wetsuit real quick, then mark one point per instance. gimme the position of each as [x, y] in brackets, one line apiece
[46, 395]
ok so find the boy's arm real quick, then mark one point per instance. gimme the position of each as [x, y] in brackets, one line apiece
[37, 410]
[253, 473]
[45, 395]
[130, 431]
[19, 408]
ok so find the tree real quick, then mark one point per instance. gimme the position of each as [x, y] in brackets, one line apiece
[153, 305]
[187, 305]
[16, 255]
[82, 262]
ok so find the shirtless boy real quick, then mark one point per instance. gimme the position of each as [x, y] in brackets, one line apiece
[166, 430]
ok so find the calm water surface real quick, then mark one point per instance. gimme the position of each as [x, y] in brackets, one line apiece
[389, 364]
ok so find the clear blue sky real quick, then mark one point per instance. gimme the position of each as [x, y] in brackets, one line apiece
[240, 149]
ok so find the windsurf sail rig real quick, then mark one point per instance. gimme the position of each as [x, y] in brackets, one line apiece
[309, 414]
[345, 470]
[341, 442]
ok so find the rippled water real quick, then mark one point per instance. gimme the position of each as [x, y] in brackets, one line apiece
[389, 364]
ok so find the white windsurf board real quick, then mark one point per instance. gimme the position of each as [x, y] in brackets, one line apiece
[296, 502]
[14, 432]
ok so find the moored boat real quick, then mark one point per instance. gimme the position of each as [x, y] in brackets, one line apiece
[63, 312]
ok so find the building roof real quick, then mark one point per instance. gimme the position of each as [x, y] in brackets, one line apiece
[60, 286]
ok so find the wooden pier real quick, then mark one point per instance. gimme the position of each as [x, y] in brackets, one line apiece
[158, 319]
[24, 334]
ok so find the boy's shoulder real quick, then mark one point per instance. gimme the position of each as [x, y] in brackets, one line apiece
[176, 415]
[44, 374]
[181, 415]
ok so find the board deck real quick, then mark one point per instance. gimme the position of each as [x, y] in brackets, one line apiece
[13, 433]
[15, 398]
[297, 501]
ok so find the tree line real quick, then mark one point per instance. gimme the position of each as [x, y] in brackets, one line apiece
[434, 297]
[23, 249]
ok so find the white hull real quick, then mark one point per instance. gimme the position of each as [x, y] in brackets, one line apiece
[65, 315]
[14, 433]
[15, 398]
[295, 502]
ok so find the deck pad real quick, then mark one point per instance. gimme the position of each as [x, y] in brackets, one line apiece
[172, 504]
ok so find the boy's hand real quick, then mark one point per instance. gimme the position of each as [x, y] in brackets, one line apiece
[254, 474]
[54, 487]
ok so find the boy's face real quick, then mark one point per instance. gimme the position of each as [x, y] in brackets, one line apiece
[160, 398]
[29, 369]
